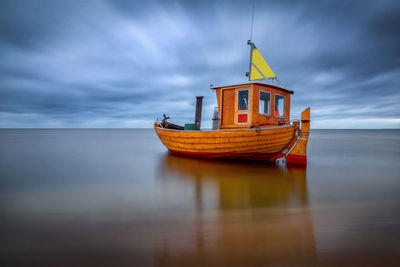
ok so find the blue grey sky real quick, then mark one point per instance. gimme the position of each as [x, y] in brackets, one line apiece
[123, 63]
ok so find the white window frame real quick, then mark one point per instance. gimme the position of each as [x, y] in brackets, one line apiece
[248, 100]
[284, 105]
[259, 100]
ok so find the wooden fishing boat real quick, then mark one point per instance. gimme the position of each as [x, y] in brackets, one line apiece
[252, 122]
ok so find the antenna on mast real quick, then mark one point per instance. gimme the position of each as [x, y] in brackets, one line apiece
[249, 42]
[252, 21]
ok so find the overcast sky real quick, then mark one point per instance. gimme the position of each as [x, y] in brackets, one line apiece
[125, 63]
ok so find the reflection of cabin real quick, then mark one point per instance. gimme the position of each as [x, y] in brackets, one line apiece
[253, 104]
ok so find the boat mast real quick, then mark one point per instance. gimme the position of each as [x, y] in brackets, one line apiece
[251, 57]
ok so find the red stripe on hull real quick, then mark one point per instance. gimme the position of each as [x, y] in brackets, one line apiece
[243, 156]
[296, 160]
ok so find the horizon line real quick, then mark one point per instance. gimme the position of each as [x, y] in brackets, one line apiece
[132, 128]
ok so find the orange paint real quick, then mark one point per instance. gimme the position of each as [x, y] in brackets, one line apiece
[227, 98]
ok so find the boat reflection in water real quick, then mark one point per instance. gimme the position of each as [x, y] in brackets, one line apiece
[242, 214]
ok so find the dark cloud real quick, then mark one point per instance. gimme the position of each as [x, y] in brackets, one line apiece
[125, 63]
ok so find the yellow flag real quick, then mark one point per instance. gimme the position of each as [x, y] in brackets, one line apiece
[255, 74]
[259, 67]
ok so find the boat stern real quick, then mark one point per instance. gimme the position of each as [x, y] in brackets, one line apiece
[297, 155]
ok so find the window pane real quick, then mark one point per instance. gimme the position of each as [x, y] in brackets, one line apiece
[279, 110]
[243, 100]
[265, 103]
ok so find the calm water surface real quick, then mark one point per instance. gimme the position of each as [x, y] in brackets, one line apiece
[117, 198]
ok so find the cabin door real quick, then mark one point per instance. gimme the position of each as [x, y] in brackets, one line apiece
[228, 107]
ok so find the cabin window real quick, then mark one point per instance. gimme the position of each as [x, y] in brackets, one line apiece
[264, 105]
[243, 99]
[279, 110]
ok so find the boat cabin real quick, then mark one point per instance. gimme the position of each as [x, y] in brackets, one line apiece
[253, 104]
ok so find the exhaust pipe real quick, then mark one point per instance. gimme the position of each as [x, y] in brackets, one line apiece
[197, 119]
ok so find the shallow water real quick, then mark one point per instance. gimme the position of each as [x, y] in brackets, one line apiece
[117, 198]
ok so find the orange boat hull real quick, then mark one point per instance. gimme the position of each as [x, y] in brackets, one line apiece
[249, 144]
[288, 142]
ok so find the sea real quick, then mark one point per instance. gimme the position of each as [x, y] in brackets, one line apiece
[116, 197]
